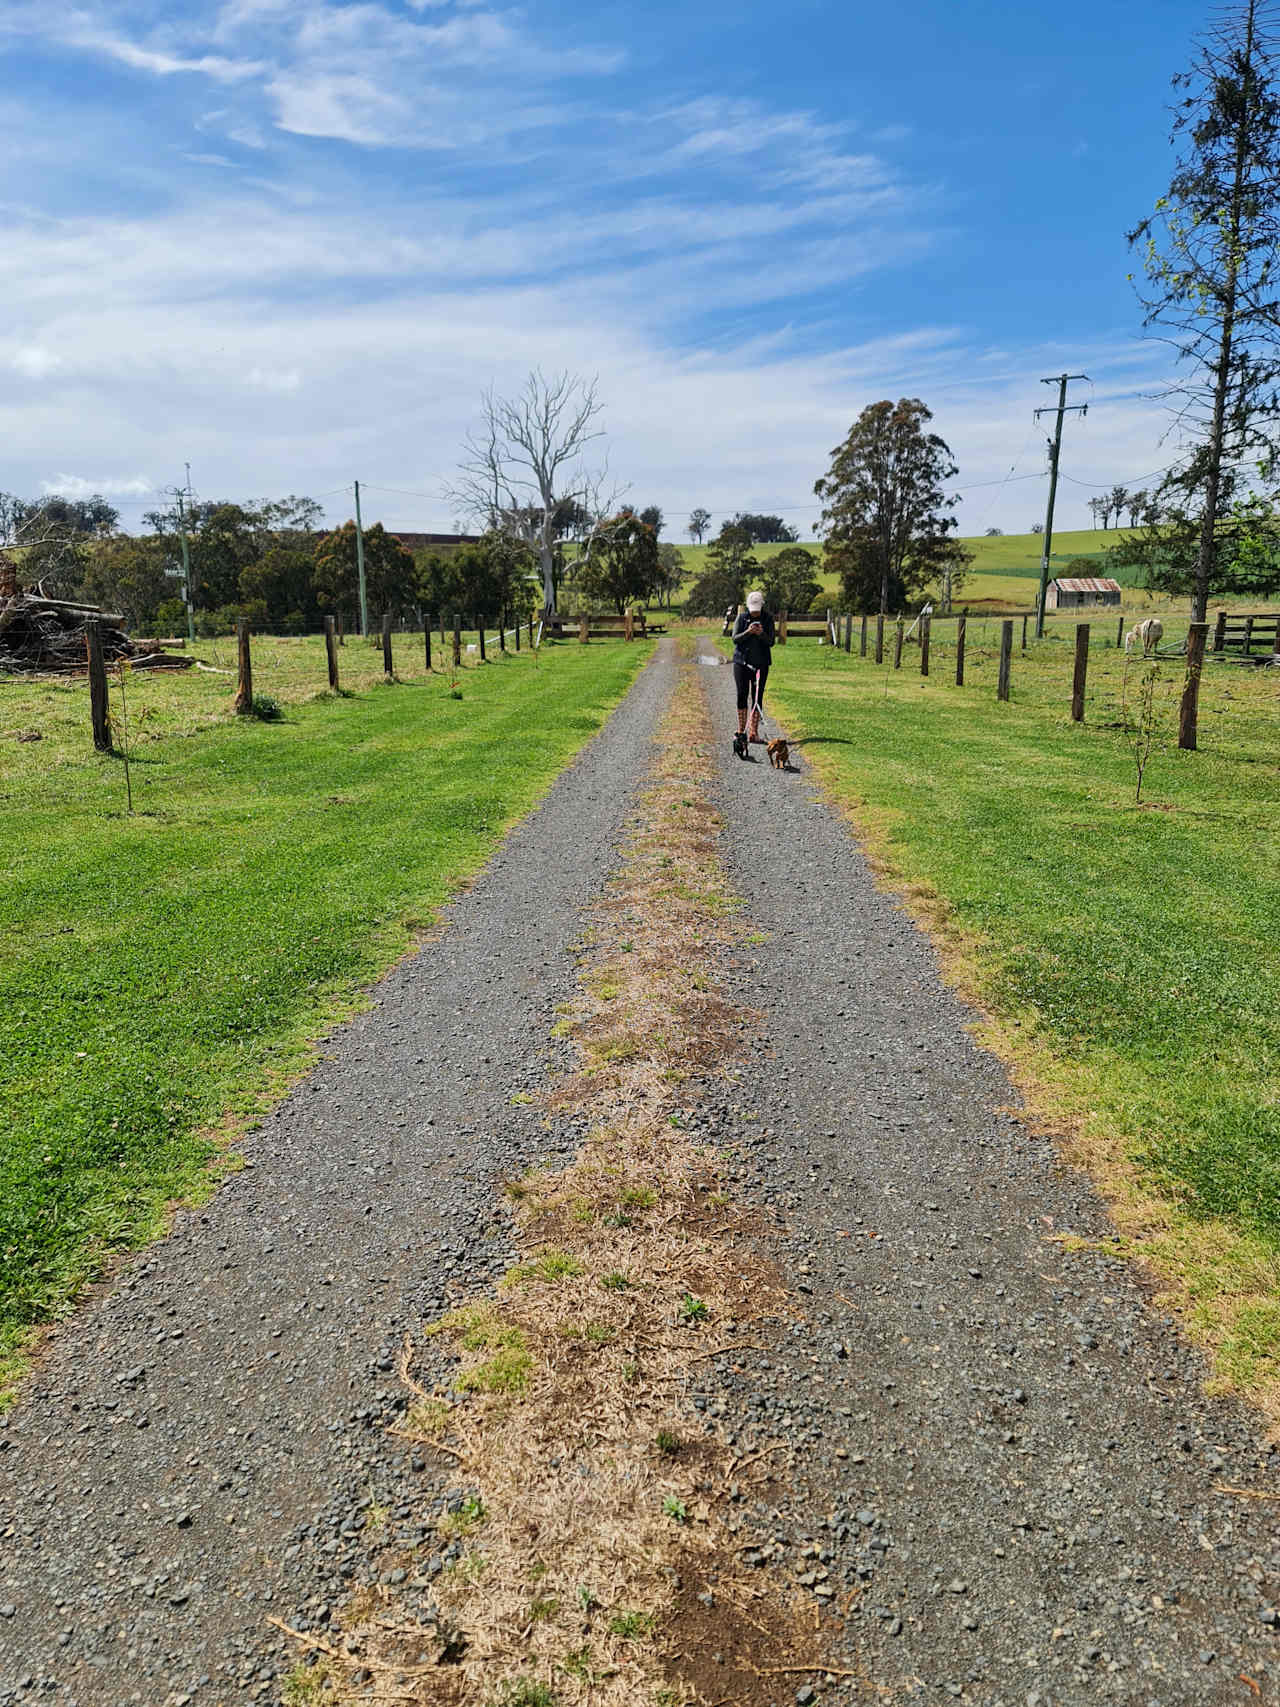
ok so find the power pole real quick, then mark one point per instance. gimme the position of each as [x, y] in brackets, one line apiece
[186, 572]
[364, 601]
[1061, 380]
[180, 493]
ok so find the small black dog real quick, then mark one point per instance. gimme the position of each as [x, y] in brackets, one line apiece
[740, 744]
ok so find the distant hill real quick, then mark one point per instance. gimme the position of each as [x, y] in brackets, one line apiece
[1017, 554]
[1012, 556]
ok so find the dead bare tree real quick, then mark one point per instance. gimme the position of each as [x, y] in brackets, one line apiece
[523, 470]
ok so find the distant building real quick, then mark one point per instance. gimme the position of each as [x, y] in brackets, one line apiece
[1071, 592]
[421, 541]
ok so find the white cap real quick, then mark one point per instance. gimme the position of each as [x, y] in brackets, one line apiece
[755, 600]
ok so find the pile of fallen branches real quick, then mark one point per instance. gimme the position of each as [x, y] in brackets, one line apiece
[47, 636]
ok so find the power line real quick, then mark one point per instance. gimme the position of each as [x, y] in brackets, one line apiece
[1106, 485]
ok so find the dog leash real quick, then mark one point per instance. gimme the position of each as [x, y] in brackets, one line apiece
[756, 703]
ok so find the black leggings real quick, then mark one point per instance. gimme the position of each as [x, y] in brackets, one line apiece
[744, 678]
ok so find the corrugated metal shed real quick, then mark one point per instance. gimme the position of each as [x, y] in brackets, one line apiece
[1074, 592]
[1086, 584]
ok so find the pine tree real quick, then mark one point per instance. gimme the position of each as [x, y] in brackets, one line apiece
[1209, 255]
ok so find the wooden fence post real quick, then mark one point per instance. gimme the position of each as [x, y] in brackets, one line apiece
[782, 628]
[1189, 710]
[584, 628]
[1024, 632]
[502, 632]
[862, 644]
[897, 644]
[1006, 658]
[1248, 634]
[457, 640]
[628, 624]
[331, 652]
[1120, 633]
[387, 670]
[516, 626]
[1220, 632]
[426, 629]
[443, 641]
[848, 631]
[1080, 673]
[244, 691]
[99, 708]
[960, 628]
[531, 631]
[480, 632]
[924, 644]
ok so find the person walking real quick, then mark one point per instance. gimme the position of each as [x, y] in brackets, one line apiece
[752, 655]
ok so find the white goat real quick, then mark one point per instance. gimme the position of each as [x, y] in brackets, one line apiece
[1147, 633]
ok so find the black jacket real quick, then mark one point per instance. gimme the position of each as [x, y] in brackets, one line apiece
[754, 650]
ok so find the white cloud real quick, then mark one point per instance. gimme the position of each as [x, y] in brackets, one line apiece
[334, 318]
[76, 486]
[163, 64]
[279, 380]
[33, 361]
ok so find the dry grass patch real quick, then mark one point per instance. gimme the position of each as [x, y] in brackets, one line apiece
[598, 1496]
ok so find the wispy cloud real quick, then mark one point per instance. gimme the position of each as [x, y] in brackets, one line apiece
[163, 64]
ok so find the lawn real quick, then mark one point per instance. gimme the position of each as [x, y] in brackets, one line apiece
[166, 970]
[1127, 954]
[1005, 571]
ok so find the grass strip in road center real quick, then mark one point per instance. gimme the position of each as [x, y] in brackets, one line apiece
[590, 1527]
[1127, 954]
[165, 970]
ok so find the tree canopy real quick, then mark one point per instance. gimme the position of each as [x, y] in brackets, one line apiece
[1208, 256]
[765, 530]
[885, 508]
[621, 567]
[790, 579]
[390, 572]
[698, 523]
[730, 565]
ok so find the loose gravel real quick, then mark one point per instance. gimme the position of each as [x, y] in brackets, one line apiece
[1000, 1449]
[205, 1444]
[999, 1479]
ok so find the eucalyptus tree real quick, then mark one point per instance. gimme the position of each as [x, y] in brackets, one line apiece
[885, 505]
[523, 472]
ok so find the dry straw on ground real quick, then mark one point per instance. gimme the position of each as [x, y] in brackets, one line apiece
[598, 1529]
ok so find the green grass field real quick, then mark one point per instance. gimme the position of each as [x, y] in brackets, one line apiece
[1128, 953]
[1005, 570]
[165, 971]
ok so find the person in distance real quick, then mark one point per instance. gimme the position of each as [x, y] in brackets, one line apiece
[752, 654]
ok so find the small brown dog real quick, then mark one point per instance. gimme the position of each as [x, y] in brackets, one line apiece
[779, 754]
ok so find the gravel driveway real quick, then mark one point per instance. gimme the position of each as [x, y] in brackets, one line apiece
[195, 1449]
[1003, 1471]
[1006, 1447]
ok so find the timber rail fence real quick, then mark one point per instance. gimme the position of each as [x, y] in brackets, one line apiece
[499, 635]
[1254, 637]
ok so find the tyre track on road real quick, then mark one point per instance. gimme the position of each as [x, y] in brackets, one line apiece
[1012, 1452]
[199, 1445]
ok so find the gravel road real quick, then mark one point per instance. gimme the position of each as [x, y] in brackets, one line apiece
[999, 1441]
[1002, 1463]
[201, 1444]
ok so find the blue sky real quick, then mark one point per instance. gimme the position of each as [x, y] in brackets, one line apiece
[293, 241]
